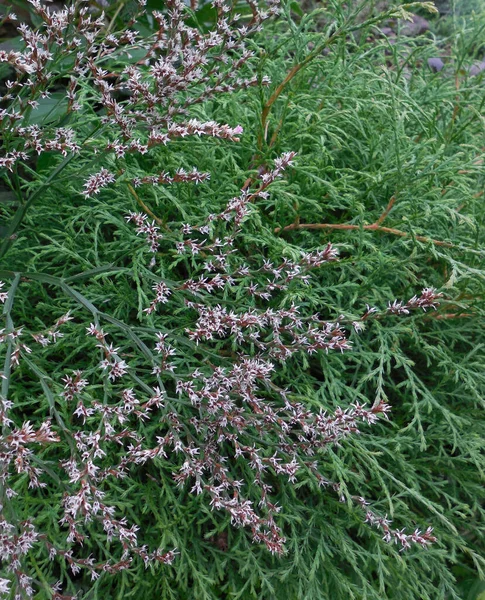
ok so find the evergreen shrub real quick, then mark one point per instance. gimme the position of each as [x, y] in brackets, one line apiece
[242, 339]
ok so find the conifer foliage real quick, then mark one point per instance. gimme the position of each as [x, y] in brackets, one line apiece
[242, 285]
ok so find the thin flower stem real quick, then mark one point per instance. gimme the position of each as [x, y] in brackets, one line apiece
[145, 207]
[9, 326]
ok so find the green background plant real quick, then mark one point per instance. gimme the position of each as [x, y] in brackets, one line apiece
[369, 122]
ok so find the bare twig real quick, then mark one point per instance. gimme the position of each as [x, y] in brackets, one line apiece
[386, 211]
[373, 227]
[450, 316]
[145, 207]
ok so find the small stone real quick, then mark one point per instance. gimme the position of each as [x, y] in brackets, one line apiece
[417, 26]
[477, 69]
[387, 30]
[435, 64]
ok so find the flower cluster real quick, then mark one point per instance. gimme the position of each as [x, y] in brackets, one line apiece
[219, 413]
[145, 104]
[14, 338]
[52, 334]
[429, 298]
[241, 418]
[398, 536]
[3, 295]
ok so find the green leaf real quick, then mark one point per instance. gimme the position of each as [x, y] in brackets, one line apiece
[49, 110]
[296, 8]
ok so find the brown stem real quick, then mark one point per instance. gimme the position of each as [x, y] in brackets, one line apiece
[276, 132]
[274, 96]
[450, 316]
[247, 183]
[145, 207]
[290, 75]
[313, 54]
[373, 227]
[386, 211]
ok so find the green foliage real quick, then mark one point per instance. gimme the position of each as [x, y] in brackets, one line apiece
[370, 122]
